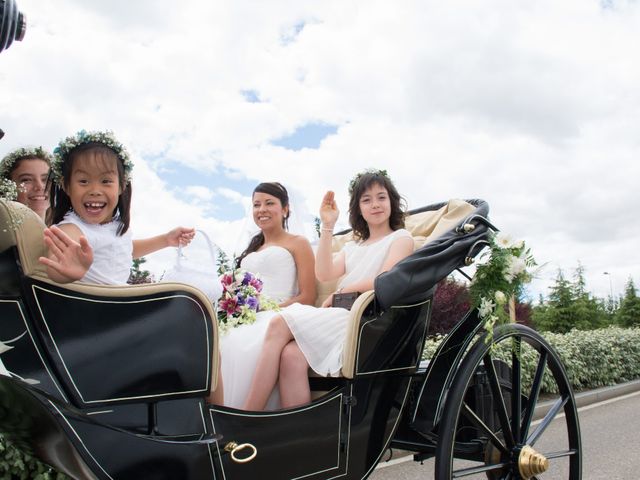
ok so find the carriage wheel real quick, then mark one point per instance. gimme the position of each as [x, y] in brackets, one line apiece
[488, 428]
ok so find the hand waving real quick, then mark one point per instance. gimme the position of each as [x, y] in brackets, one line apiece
[69, 258]
[329, 210]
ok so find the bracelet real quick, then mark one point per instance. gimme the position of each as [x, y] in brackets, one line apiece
[326, 230]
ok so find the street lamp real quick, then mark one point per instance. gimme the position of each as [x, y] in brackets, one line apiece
[610, 284]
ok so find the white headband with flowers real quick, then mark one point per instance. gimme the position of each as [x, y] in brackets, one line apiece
[21, 153]
[106, 138]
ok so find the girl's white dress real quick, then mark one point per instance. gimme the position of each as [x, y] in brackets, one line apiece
[241, 346]
[112, 253]
[320, 332]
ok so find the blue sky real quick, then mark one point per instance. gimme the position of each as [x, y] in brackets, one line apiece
[532, 106]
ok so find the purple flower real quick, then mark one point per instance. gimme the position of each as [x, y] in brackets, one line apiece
[240, 299]
[253, 303]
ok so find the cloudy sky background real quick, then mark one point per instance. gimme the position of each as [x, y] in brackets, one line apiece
[532, 106]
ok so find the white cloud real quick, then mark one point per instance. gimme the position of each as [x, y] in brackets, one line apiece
[532, 106]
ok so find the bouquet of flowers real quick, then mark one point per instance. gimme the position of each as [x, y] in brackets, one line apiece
[241, 299]
[501, 279]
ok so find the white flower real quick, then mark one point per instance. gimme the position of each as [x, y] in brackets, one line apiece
[515, 266]
[503, 240]
[486, 307]
[500, 297]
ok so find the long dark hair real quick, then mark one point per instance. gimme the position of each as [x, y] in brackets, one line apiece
[274, 189]
[60, 203]
[362, 183]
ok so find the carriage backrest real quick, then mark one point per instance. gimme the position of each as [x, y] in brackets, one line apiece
[22, 228]
[424, 226]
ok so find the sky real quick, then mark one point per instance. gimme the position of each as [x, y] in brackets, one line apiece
[531, 106]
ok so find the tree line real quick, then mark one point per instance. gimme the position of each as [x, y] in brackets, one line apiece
[569, 305]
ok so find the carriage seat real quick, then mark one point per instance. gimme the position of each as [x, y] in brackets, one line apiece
[151, 341]
[424, 226]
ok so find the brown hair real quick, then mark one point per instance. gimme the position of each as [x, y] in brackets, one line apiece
[362, 183]
[277, 190]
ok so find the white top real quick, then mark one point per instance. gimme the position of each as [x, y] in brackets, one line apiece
[112, 253]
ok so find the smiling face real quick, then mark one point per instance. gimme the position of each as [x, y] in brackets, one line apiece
[30, 175]
[268, 212]
[93, 187]
[375, 206]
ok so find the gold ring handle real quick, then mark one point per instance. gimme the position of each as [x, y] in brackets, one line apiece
[233, 448]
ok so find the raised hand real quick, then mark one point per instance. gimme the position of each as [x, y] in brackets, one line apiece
[180, 236]
[329, 210]
[69, 258]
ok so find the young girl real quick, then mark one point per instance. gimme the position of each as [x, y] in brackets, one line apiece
[90, 209]
[302, 335]
[284, 262]
[28, 168]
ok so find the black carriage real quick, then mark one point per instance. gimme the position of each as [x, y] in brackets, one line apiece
[105, 382]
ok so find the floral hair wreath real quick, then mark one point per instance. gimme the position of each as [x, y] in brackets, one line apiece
[11, 158]
[106, 138]
[355, 180]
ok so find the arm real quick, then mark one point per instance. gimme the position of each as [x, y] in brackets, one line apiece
[174, 238]
[328, 267]
[399, 249]
[303, 256]
[70, 255]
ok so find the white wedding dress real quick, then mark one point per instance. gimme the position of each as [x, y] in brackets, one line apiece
[241, 346]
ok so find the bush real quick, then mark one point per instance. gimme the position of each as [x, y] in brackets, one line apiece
[592, 358]
[15, 464]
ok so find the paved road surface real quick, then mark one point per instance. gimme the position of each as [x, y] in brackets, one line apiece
[610, 444]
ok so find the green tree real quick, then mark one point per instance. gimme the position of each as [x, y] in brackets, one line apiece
[223, 263]
[570, 305]
[137, 275]
[628, 315]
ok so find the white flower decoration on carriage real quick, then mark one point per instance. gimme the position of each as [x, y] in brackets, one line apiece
[9, 160]
[8, 189]
[500, 278]
[106, 138]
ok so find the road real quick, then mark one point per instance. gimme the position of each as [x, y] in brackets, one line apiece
[610, 433]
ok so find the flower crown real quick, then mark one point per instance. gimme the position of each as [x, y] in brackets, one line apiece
[10, 159]
[106, 138]
[355, 180]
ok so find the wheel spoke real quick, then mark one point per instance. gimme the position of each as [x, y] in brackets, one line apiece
[516, 388]
[498, 399]
[566, 453]
[533, 396]
[546, 421]
[465, 472]
[479, 424]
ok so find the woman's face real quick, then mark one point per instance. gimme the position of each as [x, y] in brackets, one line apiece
[375, 205]
[30, 175]
[268, 211]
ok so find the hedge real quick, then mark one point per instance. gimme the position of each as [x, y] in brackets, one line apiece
[592, 358]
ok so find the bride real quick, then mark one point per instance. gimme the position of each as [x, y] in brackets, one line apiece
[285, 263]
